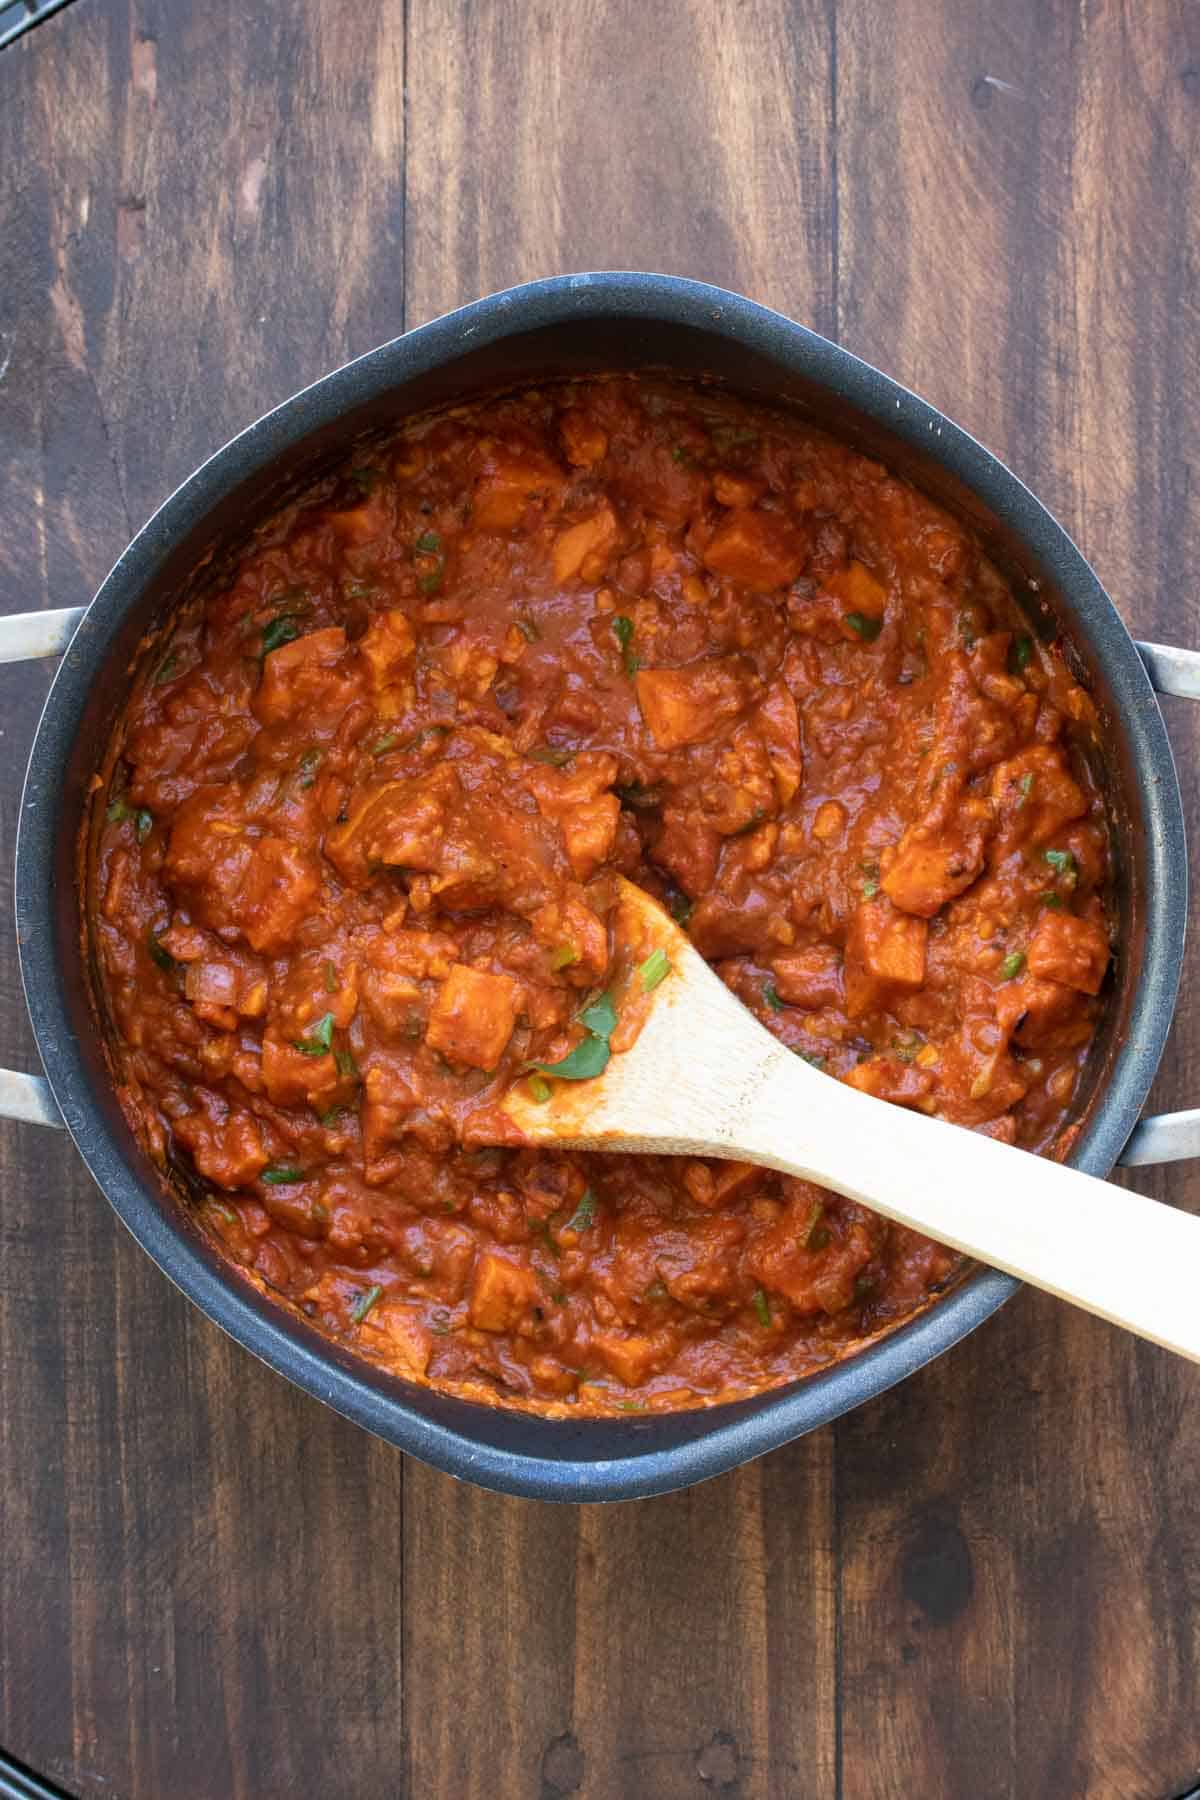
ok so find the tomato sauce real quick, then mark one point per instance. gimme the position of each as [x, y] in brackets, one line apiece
[365, 810]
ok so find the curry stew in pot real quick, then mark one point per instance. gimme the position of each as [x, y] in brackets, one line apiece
[366, 807]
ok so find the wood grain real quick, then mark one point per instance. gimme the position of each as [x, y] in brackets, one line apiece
[1018, 1580]
[985, 1583]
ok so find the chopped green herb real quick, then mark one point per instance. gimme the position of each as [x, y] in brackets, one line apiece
[600, 1017]
[1052, 900]
[656, 1291]
[905, 1048]
[331, 981]
[638, 797]
[282, 1175]
[816, 1213]
[1012, 965]
[320, 1039]
[1019, 653]
[364, 1303]
[752, 823]
[1062, 862]
[812, 1057]
[428, 734]
[870, 887]
[282, 630]
[556, 758]
[528, 630]
[630, 1405]
[158, 952]
[563, 957]
[345, 1064]
[429, 584]
[330, 1117]
[365, 479]
[624, 630]
[681, 455]
[539, 1090]
[388, 741]
[143, 824]
[584, 1213]
[586, 1060]
[762, 1307]
[429, 543]
[966, 627]
[867, 628]
[820, 1238]
[117, 812]
[309, 764]
[770, 994]
[680, 908]
[656, 968]
[1026, 786]
[223, 1212]
[167, 669]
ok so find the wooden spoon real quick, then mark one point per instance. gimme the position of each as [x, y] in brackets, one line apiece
[703, 1078]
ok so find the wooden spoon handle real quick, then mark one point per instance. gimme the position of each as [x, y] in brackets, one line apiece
[1129, 1259]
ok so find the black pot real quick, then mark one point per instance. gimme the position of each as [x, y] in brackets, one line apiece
[578, 324]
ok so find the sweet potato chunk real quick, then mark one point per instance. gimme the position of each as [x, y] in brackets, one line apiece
[509, 481]
[401, 824]
[578, 802]
[241, 883]
[293, 1078]
[592, 537]
[809, 978]
[686, 706]
[297, 676]
[386, 645]
[860, 590]
[928, 871]
[473, 1016]
[501, 1292]
[762, 550]
[885, 956]
[779, 726]
[1070, 950]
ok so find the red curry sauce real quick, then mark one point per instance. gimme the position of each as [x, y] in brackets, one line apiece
[357, 874]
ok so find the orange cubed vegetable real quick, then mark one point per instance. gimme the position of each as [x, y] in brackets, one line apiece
[297, 674]
[386, 645]
[506, 487]
[578, 802]
[1070, 950]
[928, 871]
[859, 589]
[809, 978]
[686, 706]
[592, 537]
[292, 1077]
[473, 1016]
[501, 1292]
[763, 550]
[630, 1355]
[885, 956]
[779, 728]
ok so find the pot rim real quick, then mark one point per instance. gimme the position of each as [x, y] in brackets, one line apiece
[722, 1436]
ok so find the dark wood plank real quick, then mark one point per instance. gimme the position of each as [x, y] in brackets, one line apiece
[201, 1588]
[654, 1646]
[1019, 204]
[212, 1587]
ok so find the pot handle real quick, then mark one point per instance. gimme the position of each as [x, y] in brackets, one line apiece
[1167, 1137]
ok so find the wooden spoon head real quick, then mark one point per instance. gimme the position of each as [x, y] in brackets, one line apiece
[681, 1051]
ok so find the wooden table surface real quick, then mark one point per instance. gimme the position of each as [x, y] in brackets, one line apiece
[984, 1584]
